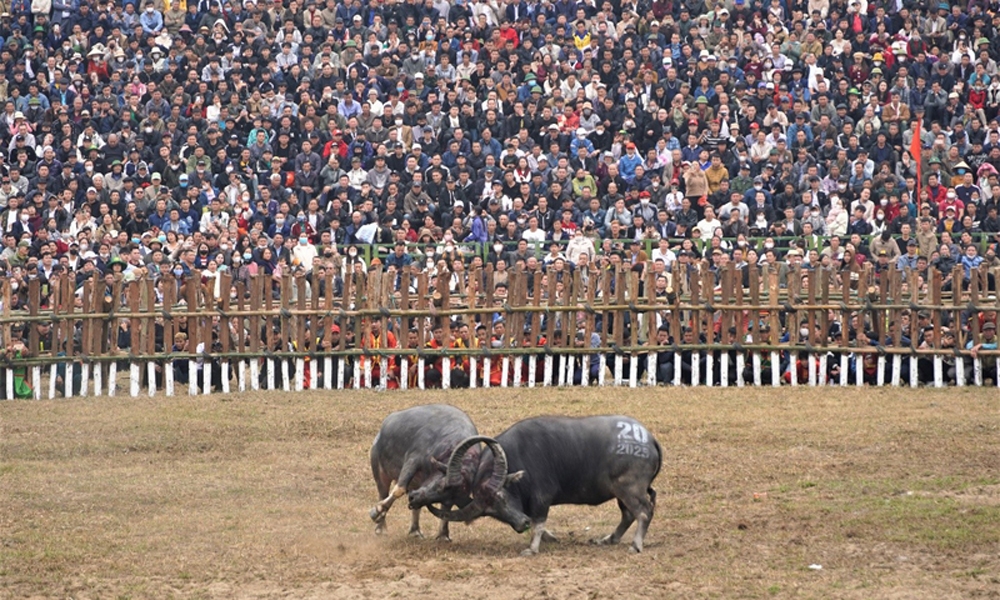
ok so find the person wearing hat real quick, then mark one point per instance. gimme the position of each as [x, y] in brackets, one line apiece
[987, 341]
[909, 259]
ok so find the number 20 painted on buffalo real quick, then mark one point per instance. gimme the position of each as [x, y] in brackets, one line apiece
[632, 440]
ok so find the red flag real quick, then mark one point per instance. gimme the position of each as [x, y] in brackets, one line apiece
[915, 154]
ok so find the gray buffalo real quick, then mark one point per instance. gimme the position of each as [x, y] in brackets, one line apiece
[544, 461]
[411, 453]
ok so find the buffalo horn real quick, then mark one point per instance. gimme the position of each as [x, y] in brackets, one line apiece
[465, 514]
[454, 473]
[496, 482]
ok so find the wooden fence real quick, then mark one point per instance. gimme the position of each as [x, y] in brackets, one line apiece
[692, 325]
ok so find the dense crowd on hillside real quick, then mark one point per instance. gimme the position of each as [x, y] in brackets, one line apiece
[145, 136]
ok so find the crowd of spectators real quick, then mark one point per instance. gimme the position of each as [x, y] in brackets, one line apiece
[139, 137]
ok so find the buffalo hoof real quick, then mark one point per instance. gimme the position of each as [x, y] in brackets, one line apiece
[603, 541]
[634, 550]
[529, 552]
[380, 529]
[443, 538]
[416, 533]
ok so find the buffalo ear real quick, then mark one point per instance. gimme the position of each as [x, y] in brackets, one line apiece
[514, 477]
[440, 466]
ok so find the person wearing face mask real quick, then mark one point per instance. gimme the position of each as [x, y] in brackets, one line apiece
[151, 20]
[758, 186]
[353, 261]
[282, 225]
[305, 253]
[645, 208]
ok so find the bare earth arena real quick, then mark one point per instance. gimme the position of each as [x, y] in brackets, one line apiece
[875, 493]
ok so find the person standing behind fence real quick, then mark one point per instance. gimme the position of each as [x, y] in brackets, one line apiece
[374, 340]
[13, 352]
[987, 341]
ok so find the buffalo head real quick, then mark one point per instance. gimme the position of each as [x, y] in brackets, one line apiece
[490, 494]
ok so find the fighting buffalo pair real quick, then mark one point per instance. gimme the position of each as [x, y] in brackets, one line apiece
[435, 455]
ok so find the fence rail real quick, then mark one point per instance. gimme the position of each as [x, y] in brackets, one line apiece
[692, 325]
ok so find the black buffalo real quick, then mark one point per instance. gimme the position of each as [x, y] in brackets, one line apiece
[545, 461]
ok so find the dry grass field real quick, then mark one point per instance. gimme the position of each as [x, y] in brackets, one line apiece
[896, 493]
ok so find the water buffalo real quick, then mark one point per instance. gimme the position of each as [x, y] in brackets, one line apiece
[544, 461]
[411, 452]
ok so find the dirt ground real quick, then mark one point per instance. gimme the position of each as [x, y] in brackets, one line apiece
[894, 493]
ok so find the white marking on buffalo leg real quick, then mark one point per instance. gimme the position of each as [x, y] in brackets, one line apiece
[538, 530]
